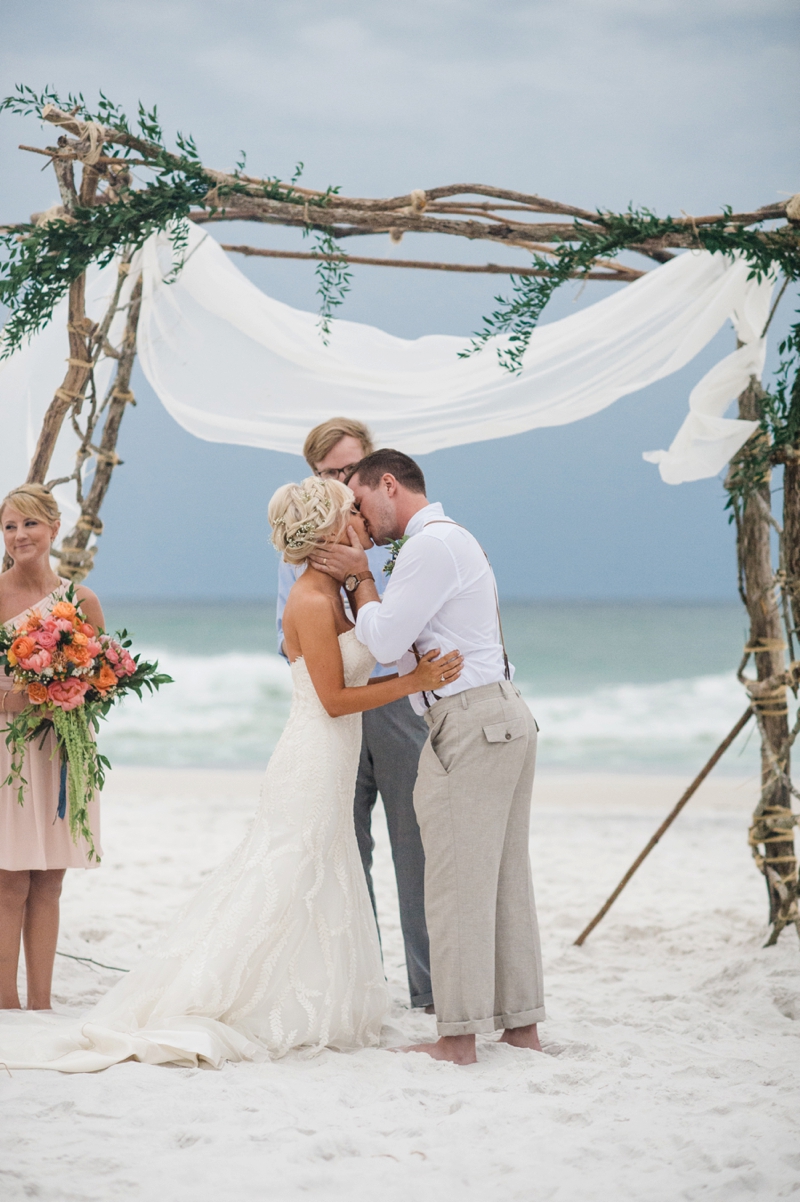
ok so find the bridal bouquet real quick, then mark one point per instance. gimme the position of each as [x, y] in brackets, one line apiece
[72, 675]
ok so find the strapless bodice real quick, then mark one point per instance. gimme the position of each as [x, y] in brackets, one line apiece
[358, 662]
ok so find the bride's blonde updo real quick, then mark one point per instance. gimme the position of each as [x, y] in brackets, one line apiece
[305, 516]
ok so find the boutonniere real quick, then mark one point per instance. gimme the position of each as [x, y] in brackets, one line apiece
[395, 545]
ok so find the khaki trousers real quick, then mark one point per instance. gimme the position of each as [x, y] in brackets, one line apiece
[472, 799]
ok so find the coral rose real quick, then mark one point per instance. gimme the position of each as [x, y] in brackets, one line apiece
[37, 662]
[37, 693]
[63, 609]
[48, 635]
[22, 647]
[105, 679]
[88, 630]
[67, 694]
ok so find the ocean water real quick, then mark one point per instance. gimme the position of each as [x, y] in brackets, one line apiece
[618, 687]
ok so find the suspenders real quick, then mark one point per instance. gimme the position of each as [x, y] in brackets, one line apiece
[506, 668]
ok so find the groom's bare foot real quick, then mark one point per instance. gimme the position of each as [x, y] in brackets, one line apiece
[522, 1037]
[458, 1049]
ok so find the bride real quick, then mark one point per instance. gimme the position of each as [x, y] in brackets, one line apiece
[278, 949]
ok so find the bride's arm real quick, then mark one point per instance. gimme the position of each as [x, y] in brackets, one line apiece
[319, 646]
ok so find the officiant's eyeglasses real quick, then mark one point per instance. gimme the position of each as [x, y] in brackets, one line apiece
[336, 473]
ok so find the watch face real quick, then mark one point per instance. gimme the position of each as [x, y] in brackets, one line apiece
[350, 583]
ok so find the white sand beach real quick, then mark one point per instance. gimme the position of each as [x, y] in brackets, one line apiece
[671, 1049]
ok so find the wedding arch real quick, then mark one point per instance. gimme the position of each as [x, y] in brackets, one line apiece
[124, 263]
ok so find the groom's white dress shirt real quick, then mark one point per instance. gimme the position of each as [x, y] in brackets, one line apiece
[441, 593]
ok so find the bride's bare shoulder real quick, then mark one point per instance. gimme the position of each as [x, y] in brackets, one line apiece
[305, 606]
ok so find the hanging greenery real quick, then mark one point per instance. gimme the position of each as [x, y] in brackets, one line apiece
[767, 252]
[41, 261]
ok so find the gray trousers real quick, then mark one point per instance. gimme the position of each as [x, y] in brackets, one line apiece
[473, 799]
[392, 739]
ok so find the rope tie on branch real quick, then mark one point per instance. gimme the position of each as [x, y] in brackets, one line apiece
[75, 557]
[122, 394]
[87, 363]
[106, 456]
[84, 326]
[89, 132]
[89, 522]
[68, 396]
[765, 645]
[54, 213]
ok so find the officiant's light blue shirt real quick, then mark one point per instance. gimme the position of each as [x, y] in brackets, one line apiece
[289, 572]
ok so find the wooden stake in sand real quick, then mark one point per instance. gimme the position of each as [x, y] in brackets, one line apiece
[693, 787]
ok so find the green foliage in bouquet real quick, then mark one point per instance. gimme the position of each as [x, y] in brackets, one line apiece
[73, 675]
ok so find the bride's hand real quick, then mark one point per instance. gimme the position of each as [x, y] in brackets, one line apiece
[432, 673]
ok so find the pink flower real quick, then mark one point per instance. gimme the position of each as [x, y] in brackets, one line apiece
[129, 663]
[47, 635]
[88, 630]
[94, 648]
[113, 653]
[37, 662]
[67, 694]
[63, 624]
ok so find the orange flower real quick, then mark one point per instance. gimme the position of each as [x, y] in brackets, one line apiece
[33, 621]
[63, 609]
[22, 647]
[104, 679]
[37, 693]
[80, 656]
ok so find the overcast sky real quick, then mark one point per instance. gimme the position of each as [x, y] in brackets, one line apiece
[675, 105]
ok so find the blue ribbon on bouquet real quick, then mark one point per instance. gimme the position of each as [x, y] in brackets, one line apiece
[61, 812]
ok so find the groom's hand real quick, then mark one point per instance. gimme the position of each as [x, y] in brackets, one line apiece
[340, 560]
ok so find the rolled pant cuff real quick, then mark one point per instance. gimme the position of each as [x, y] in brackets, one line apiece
[419, 1000]
[498, 1022]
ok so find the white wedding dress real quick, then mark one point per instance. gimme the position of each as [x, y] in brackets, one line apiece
[277, 950]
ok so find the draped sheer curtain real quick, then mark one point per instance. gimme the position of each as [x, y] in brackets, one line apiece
[231, 364]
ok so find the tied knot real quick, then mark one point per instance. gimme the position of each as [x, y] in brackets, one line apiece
[90, 134]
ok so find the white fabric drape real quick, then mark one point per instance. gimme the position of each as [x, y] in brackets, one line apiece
[233, 365]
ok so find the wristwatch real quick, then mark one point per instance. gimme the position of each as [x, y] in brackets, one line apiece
[352, 581]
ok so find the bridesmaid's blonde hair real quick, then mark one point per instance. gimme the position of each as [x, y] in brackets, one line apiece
[33, 501]
[305, 516]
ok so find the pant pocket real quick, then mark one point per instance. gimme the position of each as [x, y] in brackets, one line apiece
[444, 741]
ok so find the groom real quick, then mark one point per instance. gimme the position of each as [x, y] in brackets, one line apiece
[473, 790]
[392, 735]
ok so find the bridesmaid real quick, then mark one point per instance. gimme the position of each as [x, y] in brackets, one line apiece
[36, 847]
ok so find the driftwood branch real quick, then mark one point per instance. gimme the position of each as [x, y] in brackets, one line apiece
[75, 555]
[621, 275]
[239, 197]
[667, 823]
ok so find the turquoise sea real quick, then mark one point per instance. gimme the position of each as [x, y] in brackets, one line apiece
[633, 687]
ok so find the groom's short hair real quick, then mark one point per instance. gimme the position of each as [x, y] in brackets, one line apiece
[323, 438]
[395, 463]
